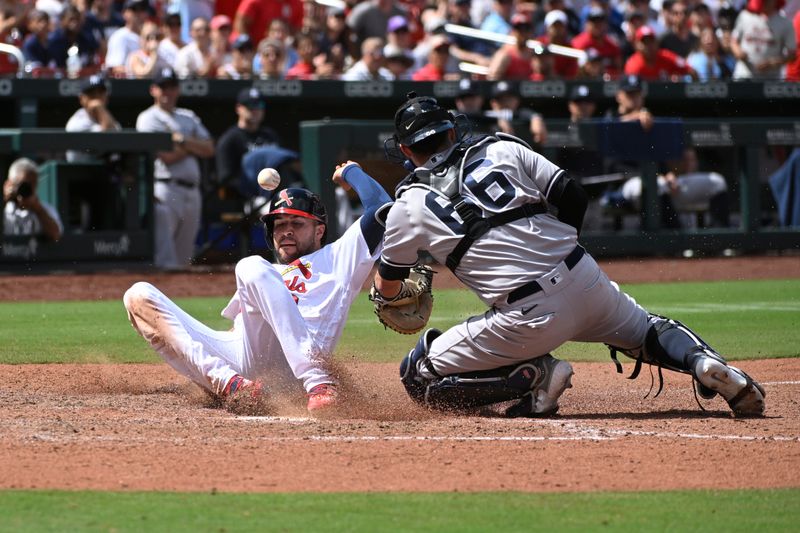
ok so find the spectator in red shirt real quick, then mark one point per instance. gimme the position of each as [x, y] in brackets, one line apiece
[513, 61]
[253, 17]
[595, 35]
[304, 69]
[650, 63]
[434, 69]
[555, 23]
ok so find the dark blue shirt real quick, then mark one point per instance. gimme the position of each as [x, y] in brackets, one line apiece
[58, 43]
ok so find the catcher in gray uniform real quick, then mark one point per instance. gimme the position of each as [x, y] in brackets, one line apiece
[506, 221]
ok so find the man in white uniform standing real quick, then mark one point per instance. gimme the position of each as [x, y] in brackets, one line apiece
[178, 202]
[506, 221]
[287, 317]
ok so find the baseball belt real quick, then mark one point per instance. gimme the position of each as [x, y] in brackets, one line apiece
[532, 287]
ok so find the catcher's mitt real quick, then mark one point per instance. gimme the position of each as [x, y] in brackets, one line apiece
[409, 311]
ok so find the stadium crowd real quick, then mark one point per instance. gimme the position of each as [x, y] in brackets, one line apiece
[430, 40]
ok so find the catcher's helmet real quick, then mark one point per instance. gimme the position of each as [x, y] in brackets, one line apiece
[419, 118]
[295, 201]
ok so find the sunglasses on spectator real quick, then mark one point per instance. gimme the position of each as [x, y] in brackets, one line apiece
[154, 37]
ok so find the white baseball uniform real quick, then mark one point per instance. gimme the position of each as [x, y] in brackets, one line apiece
[287, 319]
[575, 299]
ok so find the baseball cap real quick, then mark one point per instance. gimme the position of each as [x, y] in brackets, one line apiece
[392, 52]
[520, 20]
[396, 23]
[502, 88]
[596, 13]
[554, 16]
[334, 11]
[645, 31]
[220, 21]
[630, 84]
[165, 77]
[435, 25]
[466, 87]
[251, 97]
[439, 40]
[581, 93]
[243, 43]
[95, 81]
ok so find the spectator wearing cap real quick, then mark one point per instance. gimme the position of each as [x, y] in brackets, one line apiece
[595, 35]
[305, 68]
[221, 31]
[371, 19]
[398, 33]
[398, 61]
[613, 17]
[513, 61]
[591, 67]
[370, 66]
[436, 67]
[93, 114]
[505, 107]
[70, 34]
[556, 32]
[633, 21]
[630, 103]
[147, 60]
[253, 17]
[573, 23]
[125, 40]
[249, 133]
[708, 61]
[756, 56]
[271, 60]
[651, 63]
[34, 48]
[679, 37]
[173, 40]
[240, 67]
[499, 19]
[177, 174]
[198, 59]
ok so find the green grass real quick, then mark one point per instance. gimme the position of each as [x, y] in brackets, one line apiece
[729, 511]
[742, 319]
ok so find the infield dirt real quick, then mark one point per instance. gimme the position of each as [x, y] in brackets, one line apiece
[144, 427]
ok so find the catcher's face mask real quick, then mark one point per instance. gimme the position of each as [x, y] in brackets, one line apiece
[294, 201]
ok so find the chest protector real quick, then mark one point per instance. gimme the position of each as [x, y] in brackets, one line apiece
[447, 178]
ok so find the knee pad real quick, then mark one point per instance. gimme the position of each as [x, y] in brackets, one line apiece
[414, 383]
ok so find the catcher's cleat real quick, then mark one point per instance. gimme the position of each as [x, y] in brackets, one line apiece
[743, 394]
[542, 400]
[322, 397]
[244, 396]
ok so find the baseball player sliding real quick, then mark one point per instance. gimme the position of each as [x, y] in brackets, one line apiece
[506, 221]
[287, 316]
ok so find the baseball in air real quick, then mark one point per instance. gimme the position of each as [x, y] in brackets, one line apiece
[268, 179]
